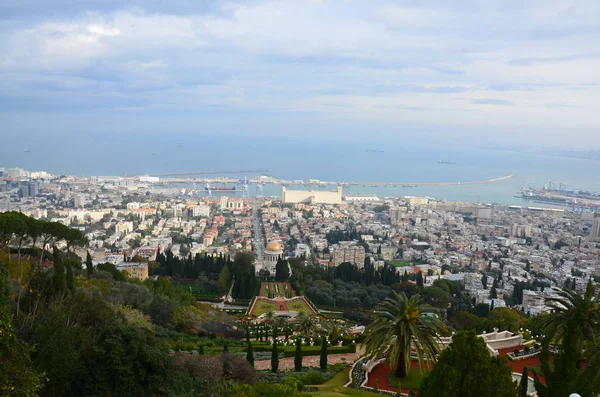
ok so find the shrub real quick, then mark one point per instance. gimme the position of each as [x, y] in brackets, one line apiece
[237, 368]
[206, 368]
[527, 348]
[310, 378]
[337, 367]
[516, 352]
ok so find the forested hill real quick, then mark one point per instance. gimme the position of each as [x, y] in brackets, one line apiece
[67, 329]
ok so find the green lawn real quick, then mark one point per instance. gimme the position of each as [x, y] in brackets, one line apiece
[401, 263]
[299, 306]
[335, 387]
[412, 380]
[263, 307]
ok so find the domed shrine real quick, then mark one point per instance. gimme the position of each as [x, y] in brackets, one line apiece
[273, 252]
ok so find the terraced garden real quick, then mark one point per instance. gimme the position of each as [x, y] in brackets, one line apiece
[300, 306]
[263, 307]
[276, 289]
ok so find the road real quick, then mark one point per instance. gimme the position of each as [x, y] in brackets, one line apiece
[259, 241]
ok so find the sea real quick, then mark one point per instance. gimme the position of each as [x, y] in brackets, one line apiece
[327, 159]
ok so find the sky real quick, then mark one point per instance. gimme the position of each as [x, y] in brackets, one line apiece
[482, 72]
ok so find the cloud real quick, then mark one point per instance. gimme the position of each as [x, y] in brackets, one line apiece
[566, 58]
[395, 62]
[559, 105]
[491, 101]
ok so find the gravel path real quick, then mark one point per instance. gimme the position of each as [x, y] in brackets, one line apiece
[307, 361]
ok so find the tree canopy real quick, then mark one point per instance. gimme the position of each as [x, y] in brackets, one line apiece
[466, 369]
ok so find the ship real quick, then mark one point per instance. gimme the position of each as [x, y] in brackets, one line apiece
[221, 188]
[445, 162]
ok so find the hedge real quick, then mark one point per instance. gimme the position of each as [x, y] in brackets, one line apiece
[316, 350]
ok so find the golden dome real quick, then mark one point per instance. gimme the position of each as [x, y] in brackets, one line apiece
[274, 246]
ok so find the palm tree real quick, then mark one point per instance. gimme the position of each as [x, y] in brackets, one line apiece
[401, 324]
[270, 315]
[306, 324]
[574, 321]
[574, 317]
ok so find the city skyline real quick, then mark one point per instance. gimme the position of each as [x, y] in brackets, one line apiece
[460, 72]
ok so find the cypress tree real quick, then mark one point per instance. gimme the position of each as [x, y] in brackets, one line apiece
[250, 354]
[70, 282]
[323, 358]
[201, 350]
[89, 264]
[274, 357]
[523, 385]
[58, 278]
[420, 280]
[298, 358]
[225, 347]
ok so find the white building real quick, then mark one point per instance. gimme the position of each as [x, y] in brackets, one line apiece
[200, 210]
[312, 196]
[123, 227]
[272, 253]
[226, 203]
[302, 249]
[361, 198]
[595, 232]
[79, 200]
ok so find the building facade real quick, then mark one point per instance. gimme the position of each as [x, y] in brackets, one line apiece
[595, 232]
[135, 270]
[312, 196]
[354, 254]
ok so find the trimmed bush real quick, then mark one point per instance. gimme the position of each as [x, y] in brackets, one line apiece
[316, 350]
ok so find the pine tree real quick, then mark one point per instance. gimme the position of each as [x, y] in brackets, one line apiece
[89, 264]
[323, 358]
[298, 357]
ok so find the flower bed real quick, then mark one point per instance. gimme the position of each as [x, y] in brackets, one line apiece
[526, 353]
